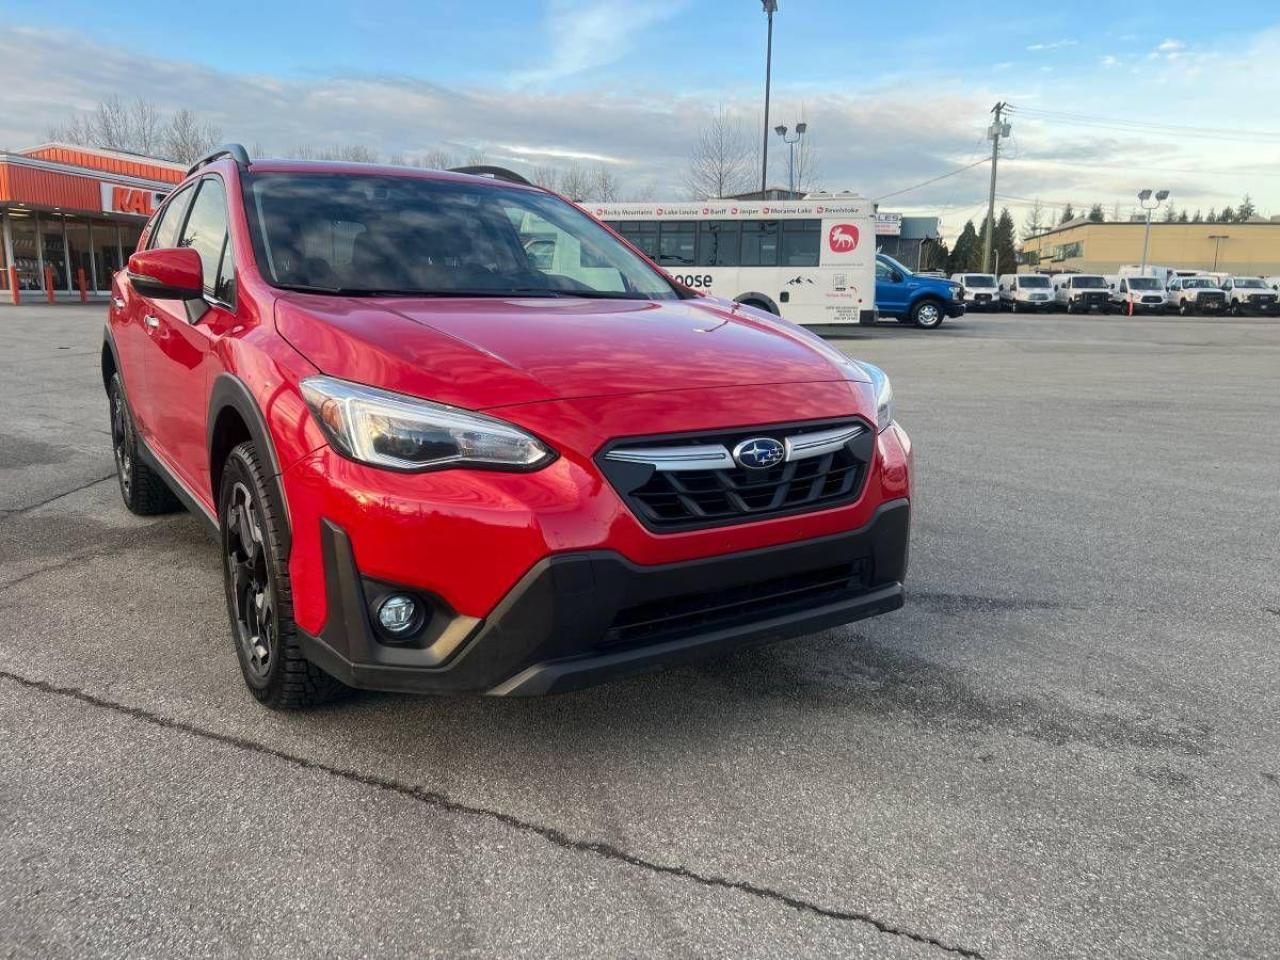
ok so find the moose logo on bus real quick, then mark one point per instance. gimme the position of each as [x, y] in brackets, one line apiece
[843, 238]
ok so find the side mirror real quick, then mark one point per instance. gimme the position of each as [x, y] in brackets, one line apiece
[897, 277]
[171, 273]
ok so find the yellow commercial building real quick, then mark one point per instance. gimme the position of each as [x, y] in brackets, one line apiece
[1247, 249]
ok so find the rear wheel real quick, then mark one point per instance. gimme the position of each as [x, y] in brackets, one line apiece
[927, 314]
[259, 598]
[143, 490]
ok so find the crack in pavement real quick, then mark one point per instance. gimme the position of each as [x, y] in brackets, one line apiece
[15, 511]
[440, 801]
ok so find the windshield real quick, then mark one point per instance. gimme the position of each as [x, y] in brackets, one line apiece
[380, 234]
[885, 258]
[1201, 283]
[1144, 283]
[1034, 283]
[1253, 283]
[979, 280]
[1088, 283]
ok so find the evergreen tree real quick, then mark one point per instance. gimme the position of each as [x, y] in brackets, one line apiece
[1096, 215]
[1227, 215]
[1198, 217]
[1067, 214]
[1005, 242]
[1247, 210]
[1212, 217]
[1182, 216]
[1170, 215]
[966, 255]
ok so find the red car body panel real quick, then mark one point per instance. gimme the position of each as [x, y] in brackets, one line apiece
[576, 373]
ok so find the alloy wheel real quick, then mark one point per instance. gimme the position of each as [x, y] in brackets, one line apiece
[120, 436]
[251, 587]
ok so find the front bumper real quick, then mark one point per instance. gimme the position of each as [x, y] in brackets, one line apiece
[954, 308]
[578, 618]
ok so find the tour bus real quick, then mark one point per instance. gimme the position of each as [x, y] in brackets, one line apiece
[811, 261]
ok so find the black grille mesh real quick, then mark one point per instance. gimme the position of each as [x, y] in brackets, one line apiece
[678, 500]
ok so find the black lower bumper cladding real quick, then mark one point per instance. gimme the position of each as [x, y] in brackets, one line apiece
[576, 619]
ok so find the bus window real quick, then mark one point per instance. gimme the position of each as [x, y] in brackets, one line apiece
[642, 233]
[718, 243]
[759, 243]
[676, 243]
[801, 241]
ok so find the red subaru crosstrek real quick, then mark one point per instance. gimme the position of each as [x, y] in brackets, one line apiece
[454, 435]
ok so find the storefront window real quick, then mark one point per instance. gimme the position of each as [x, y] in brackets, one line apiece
[55, 254]
[78, 248]
[130, 234]
[106, 252]
[24, 250]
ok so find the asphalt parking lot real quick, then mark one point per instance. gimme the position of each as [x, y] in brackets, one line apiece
[1066, 745]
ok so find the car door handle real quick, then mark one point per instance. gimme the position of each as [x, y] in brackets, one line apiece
[151, 321]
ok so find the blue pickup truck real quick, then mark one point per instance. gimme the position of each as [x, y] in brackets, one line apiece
[912, 298]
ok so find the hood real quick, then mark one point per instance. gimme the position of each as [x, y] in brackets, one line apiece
[482, 353]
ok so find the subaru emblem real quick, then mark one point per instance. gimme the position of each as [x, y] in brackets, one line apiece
[759, 453]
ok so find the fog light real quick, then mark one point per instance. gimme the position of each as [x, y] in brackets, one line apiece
[398, 614]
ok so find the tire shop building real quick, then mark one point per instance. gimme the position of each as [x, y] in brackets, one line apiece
[70, 216]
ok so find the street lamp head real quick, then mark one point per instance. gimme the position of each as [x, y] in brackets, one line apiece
[780, 130]
[801, 127]
[770, 6]
[1144, 194]
[1162, 195]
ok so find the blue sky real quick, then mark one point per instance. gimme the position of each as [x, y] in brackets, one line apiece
[894, 94]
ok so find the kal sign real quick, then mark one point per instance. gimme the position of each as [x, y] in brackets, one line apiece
[117, 198]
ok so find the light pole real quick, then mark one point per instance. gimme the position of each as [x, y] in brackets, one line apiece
[791, 142]
[1148, 203]
[1217, 238]
[770, 7]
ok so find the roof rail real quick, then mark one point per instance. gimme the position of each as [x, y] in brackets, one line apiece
[496, 173]
[233, 150]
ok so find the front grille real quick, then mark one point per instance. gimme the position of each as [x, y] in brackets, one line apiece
[1262, 298]
[1215, 297]
[1153, 299]
[671, 500]
[673, 617]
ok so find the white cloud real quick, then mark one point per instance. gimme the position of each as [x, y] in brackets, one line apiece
[1053, 45]
[583, 36]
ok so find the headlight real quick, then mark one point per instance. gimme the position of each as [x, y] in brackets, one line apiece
[884, 395]
[391, 430]
[957, 293]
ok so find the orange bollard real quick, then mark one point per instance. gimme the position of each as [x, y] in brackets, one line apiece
[48, 282]
[80, 282]
[13, 286]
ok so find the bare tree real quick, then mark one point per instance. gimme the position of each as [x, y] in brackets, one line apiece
[604, 185]
[1033, 222]
[186, 139]
[722, 160]
[808, 168]
[115, 125]
[436, 159]
[545, 176]
[576, 183]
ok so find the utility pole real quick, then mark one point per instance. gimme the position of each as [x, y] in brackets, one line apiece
[997, 130]
[769, 7]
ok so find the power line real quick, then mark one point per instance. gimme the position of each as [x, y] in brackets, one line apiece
[1141, 126]
[976, 163]
[1203, 171]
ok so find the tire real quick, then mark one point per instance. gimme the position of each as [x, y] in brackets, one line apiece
[927, 314]
[1014, 307]
[259, 597]
[759, 305]
[143, 490]
[1182, 308]
[1071, 306]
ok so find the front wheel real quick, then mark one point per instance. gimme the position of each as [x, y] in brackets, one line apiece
[259, 598]
[927, 314]
[143, 490]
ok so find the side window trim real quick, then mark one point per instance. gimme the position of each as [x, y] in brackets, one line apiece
[182, 196]
[226, 236]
